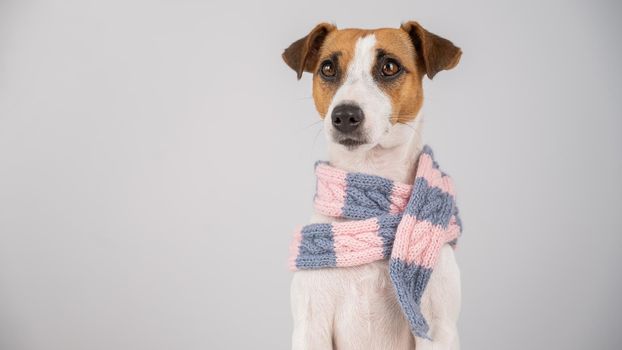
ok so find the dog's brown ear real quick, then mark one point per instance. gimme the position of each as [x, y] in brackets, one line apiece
[435, 53]
[302, 55]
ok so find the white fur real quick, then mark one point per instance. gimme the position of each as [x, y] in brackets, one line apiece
[356, 308]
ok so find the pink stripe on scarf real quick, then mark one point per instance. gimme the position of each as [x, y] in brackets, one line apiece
[399, 197]
[357, 242]
[434, 177]
[421, 247]
[331, 190]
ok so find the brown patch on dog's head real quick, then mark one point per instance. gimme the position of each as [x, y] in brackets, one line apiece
[435, 53]
[419, 52]
[402, 57]
[338, 50]
[405, 88]
[302, 54]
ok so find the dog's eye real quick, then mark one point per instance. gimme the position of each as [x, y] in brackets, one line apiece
[390, 68]
[327, 69]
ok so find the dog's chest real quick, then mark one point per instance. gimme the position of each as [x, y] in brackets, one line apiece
[366, 281]
[359, 303]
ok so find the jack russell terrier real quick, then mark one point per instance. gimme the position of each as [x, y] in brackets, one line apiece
[359, 290]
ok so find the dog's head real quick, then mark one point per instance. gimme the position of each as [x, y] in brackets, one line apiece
[367, 81]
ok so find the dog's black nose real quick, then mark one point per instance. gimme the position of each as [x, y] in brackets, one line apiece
[347, 117]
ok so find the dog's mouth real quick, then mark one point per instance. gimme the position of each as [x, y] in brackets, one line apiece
[350, 140]
[351, 143]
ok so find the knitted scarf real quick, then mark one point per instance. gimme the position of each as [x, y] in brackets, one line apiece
[407, 224]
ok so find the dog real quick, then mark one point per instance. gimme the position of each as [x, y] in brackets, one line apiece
[367, 88]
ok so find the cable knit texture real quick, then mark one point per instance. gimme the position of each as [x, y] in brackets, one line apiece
[407, 224]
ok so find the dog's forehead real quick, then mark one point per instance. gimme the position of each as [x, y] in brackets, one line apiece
[390, 40]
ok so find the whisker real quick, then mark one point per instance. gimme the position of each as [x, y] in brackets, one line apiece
[317, 135]
[408, 125]
[395, 119]
[310, 125]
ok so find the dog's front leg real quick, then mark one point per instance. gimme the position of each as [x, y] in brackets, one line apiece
[313, 307]
[440, 304]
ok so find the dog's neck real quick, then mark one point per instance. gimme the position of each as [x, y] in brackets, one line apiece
[394, 158]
